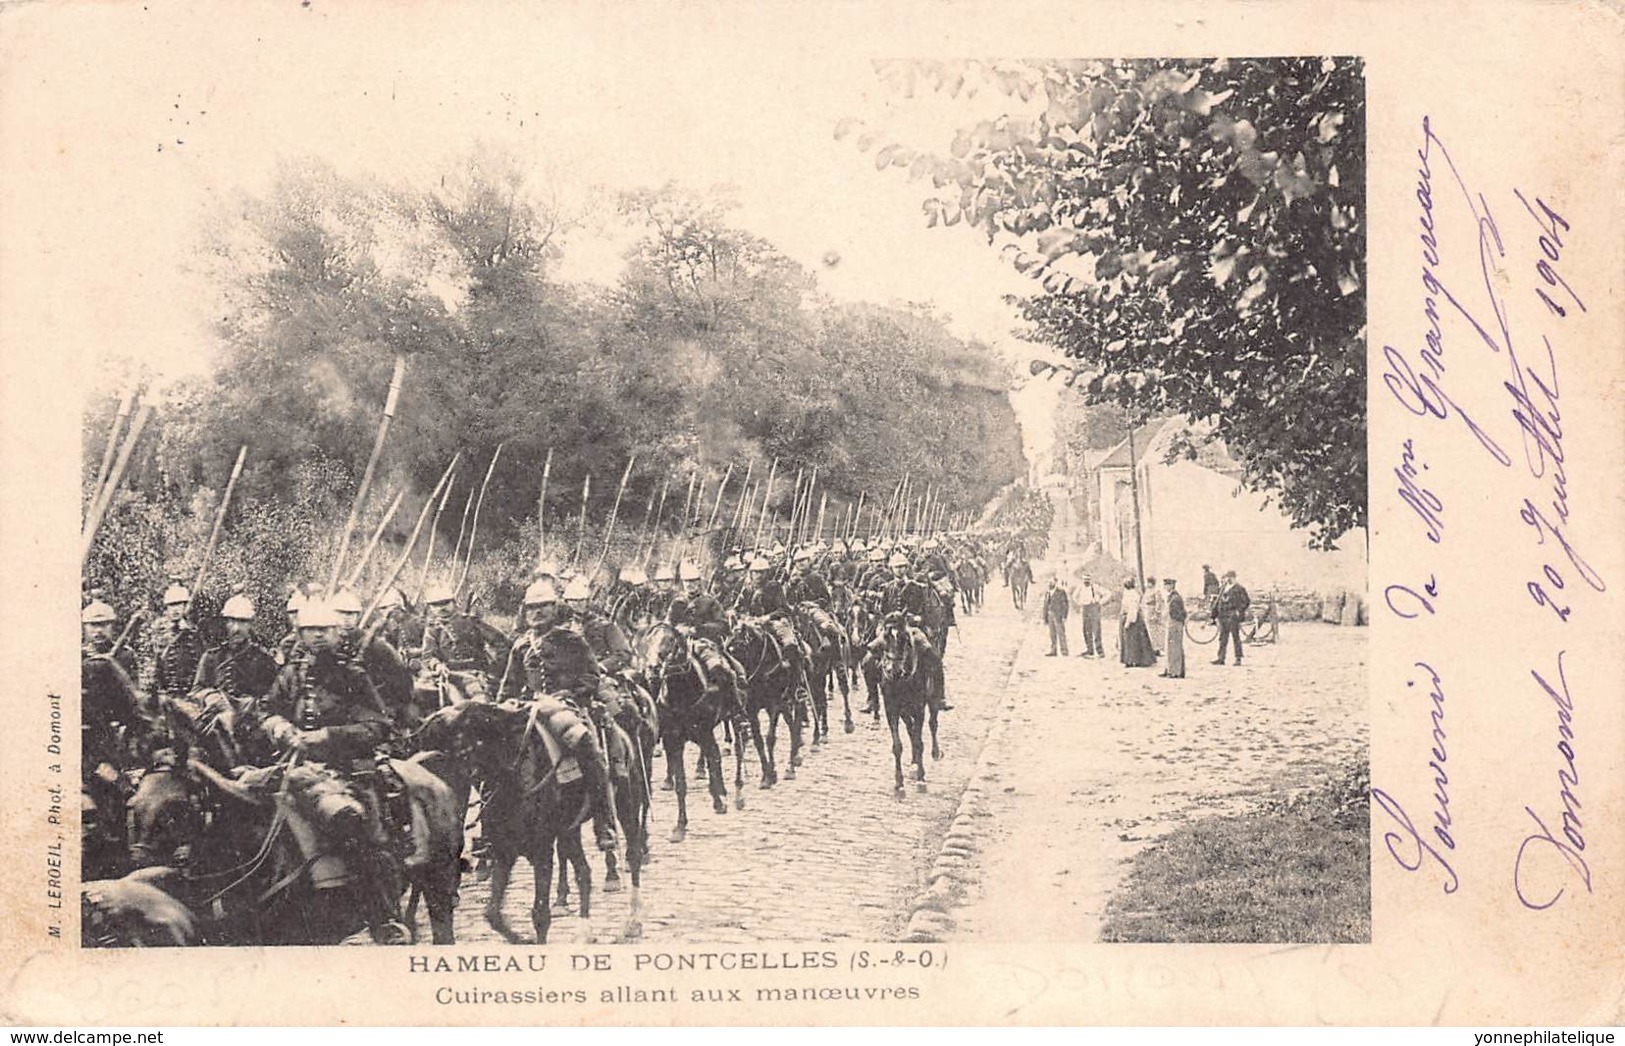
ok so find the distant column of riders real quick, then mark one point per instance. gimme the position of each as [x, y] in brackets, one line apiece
[342, 693]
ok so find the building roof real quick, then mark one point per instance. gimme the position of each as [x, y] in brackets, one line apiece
[1151, 442]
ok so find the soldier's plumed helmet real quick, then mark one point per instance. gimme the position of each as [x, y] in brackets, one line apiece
[690, 571]
[176, 594]
[238, 608]
[98, 613]
[759, 565]
[577, 590]
[663, 572]
[897, 560]
[634, 575]
[437, 594]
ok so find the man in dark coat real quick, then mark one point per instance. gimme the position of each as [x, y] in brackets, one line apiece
[113, 734]
[239, 667]
[1056, 607]
[1176, 631]
[176, 647]
[1233, 604]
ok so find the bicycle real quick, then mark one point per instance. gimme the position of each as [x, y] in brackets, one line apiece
[1264, 627]
[1204, 628]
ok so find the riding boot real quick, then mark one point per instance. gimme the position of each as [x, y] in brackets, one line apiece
[595, 771]
[382, 902]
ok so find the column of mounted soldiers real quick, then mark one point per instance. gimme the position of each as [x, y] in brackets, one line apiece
[322, 717]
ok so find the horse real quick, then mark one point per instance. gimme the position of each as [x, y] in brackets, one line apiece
[529, 806]
[628, 735]
[970, 578]
[254, 869]
[862, 626]
[936, 616]
[773, 677]
[689, 711]
[132, 913]
[910, 675]
[829, 661]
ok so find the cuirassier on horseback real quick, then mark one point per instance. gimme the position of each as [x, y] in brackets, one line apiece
[323, 709]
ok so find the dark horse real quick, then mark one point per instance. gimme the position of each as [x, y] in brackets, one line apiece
[529, 807]
[253, 869]
[910, 676]
[690, 710]
[828, 665]
[774, 674]
[628, 733]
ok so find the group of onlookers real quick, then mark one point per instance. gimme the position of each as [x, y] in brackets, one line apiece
[1150, 624]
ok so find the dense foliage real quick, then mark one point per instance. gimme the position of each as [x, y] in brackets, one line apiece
[712, 349]
[1198, 232]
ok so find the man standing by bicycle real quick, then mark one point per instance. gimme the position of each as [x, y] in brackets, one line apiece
[1231, 612]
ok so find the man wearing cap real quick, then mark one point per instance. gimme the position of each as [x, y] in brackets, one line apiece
[113, 734]
[1056, 606]
[176, 647]
[1176, 630]
[323, 706]
[1232, 610]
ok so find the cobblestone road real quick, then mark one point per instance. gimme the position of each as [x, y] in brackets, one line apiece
[829, 856]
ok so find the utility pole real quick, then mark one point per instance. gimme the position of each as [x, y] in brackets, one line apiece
[1134, 494]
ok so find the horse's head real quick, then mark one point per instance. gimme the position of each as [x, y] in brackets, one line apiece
[898, 657]
[164, 818]
[747, 641]
[664, 648]
[471, 731]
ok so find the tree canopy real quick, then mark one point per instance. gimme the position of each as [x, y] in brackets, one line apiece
[1197, 231]
[711, 349]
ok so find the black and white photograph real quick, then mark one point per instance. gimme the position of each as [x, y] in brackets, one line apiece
[923, 509]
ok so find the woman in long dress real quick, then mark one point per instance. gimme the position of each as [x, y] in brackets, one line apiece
[1135, 644]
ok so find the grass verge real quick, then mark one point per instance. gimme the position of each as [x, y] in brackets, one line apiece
[1294, 871]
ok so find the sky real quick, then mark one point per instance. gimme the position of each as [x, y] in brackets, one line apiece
[161, 121]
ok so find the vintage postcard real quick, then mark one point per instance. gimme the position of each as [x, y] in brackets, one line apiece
[720, 513]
